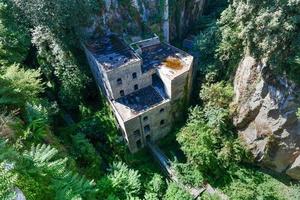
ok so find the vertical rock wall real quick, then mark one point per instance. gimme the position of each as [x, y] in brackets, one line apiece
[266, 118]
[134, 17]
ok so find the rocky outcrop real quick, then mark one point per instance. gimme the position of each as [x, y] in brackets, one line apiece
[265, 117]
[134, 17]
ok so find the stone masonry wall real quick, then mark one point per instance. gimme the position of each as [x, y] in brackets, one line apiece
[154, 118]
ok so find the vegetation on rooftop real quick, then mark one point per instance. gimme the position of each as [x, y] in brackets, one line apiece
[173, 63]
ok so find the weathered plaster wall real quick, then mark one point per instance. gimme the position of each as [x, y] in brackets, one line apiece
[154, 117]
[125, 73]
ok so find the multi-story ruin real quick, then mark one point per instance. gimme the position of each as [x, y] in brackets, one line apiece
[146, 83]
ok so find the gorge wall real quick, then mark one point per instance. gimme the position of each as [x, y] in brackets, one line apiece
[135, 17]
[266, 119]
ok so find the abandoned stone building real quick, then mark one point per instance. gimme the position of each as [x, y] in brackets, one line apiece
[147, 83]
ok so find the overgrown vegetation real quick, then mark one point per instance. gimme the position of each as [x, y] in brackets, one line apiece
[58, 139]
[266, 30]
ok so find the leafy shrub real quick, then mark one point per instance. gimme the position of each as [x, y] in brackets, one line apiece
[121, 183]
[174, 192]
[14, 37]
[19, 86]
[155, 188]
[217, 95]
[86, 155]
[7, 183]
[266, 30]
[208, 139]
[247, 183]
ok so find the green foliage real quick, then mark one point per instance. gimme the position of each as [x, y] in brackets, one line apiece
[19, 86]
[41, 109]
[209, 38]
[124, 180]
[298, 113]
[7, 183]
[217, 95]
[57, 61]
[56, 34]
[208, 139]
[62, 17]
[264, 29]
[206, 43]
[207, 196]
[176, 193]
[86, 155]
[41, 165]
[14, 38]
[155, 188]
[102, 121]
[65, 184]
[121, 183]
[231, 46]
[294, 192]
[189, 174]
[249, 184]
[42, 157]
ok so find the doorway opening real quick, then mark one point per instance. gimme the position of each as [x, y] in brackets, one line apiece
[148, 138]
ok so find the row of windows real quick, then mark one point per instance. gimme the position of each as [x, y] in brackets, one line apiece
[119, 80]
[147, 128]
[135, 87]
[161, 111]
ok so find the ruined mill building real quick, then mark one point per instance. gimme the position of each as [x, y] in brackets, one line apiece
[146, 83]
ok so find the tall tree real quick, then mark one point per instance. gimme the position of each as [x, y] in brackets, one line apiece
[56, 29]
[266, 30]
[14, 37]
[19, 86]
[121, 183]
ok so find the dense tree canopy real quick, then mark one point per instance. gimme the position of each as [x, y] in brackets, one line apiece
[265, 29]
[59, 140]
[14, 37]
[19, 86]
[208, 139]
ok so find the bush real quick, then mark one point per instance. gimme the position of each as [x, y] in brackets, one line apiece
[121, 183]
[19, 86]
[174, 192]
[217, 95]
[208, 140]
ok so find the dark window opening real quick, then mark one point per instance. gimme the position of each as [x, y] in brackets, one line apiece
[162, 122]
[147, 128]
[134, 75]
[136, 87]
[119, 81]
[162, 110]
[122, 93]
[139, 144]
[145, 118]
[148, 138]
[136, 133]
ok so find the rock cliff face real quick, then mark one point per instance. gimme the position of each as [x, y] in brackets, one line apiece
[131, 17]
[266, 117]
